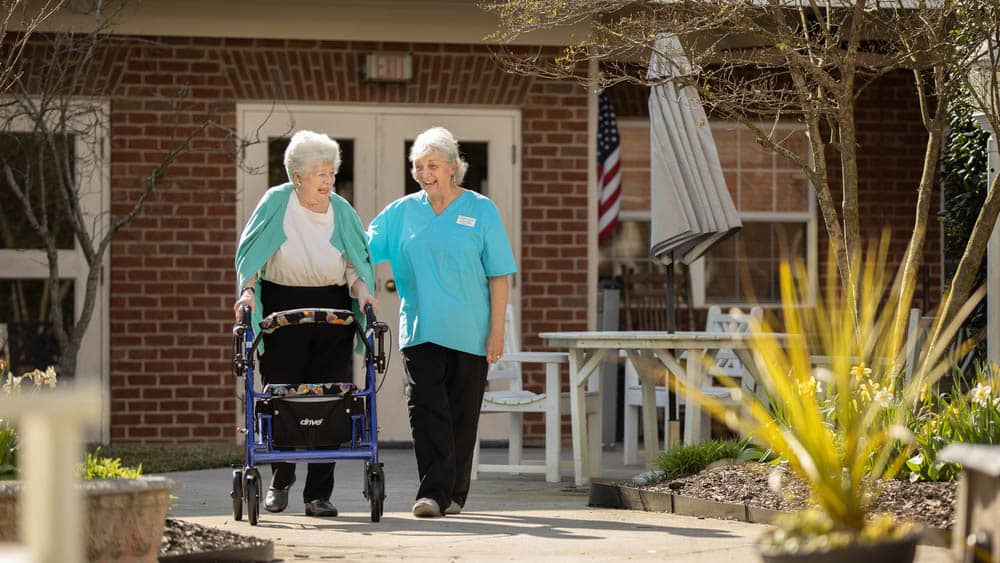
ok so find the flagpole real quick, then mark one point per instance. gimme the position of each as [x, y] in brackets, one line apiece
[593, 194]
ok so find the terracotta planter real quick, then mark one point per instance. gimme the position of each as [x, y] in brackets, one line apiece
[903, 550]
[124, 516]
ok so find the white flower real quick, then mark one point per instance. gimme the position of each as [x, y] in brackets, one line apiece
[48, 378]
[13, 384]
[883, 397]
[981, 394]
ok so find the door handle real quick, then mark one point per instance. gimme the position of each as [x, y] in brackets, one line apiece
[390, 285]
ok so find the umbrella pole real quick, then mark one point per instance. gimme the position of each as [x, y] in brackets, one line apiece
[671, 405]
[671, 310]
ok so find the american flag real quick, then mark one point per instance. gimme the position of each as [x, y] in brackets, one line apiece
[609, 174]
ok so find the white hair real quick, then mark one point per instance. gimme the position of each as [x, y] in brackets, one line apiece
[440, 140]
[309, 149]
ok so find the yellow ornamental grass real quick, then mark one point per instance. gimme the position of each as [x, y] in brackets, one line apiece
[840, 427]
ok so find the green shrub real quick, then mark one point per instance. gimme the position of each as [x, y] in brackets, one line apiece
[972, 417]
[682, 460]
[164, 458]
[8, 451]
[98, 467]
[964, 180]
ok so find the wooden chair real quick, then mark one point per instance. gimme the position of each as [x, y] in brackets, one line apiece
[515, 400]
[644, 300]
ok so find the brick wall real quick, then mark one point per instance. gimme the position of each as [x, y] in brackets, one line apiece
[172, 277]
[893, 143]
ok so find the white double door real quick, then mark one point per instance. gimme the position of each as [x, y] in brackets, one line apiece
[375, 172]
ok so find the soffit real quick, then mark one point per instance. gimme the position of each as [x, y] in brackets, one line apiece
[417, 21]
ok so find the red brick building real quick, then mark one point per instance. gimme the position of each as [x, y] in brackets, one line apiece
[161, 341]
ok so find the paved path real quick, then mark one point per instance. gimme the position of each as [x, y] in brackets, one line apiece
[508, 518]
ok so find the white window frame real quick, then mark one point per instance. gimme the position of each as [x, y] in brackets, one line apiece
[94, 169]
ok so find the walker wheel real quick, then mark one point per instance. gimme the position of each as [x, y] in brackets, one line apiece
[237, 495]
[375, 490]
[252, 483]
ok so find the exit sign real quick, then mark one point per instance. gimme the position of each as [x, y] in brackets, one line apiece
[388, 67]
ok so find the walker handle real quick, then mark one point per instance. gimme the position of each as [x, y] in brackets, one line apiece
[378, 329]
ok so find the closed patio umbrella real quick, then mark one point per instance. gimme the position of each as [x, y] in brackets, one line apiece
[691, 206]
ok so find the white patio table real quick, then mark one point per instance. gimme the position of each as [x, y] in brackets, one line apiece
[645, 348]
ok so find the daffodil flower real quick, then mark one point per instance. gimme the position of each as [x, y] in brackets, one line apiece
[883, 397]
[981, 394]
[860, 370]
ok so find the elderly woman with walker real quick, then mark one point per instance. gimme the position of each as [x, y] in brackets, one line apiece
[451, 260]
[304, 246]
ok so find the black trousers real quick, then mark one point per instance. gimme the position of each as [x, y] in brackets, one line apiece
[306, 354]
[444, 390]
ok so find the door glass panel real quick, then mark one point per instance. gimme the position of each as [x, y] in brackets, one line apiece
[477, 154]
[36, 175]
[276, 173]
[27, 341]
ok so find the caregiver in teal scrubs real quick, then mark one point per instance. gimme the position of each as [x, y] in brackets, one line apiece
[451, 260]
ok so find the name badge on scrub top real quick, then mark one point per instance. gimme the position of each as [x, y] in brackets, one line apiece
[467, 221]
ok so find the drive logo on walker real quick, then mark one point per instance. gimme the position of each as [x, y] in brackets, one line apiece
[467, 221]
[311, 422]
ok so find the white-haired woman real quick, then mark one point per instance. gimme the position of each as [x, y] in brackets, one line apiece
[450, 257]
[305, 246]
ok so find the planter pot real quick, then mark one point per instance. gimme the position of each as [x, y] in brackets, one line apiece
[903, 550]
[124, 517]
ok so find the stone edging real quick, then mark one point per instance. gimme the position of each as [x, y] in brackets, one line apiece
[255, 554]
[611, 495]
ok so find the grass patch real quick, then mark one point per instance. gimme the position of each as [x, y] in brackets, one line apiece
[682, 460]
[164, 458]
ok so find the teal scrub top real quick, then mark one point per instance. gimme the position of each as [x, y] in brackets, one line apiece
[441, 264]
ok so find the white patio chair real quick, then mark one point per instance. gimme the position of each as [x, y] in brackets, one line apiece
[726, 363]
[918, 331]
[515, 400]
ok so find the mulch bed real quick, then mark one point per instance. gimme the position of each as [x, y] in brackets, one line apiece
[182, 540]
[932, 504]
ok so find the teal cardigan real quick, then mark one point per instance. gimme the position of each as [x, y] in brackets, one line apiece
[264, 234]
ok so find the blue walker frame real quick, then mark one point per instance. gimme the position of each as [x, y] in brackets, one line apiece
[259, 439]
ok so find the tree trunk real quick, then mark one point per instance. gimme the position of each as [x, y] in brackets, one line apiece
[849, 180]
[914, 250]
[972, 258]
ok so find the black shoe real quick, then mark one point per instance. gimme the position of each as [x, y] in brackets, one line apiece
[320, 508]
[276, 500]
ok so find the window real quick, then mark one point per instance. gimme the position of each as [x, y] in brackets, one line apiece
[772, 195]
[775, 202]
[26, 334]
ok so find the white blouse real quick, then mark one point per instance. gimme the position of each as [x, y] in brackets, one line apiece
[307, 259]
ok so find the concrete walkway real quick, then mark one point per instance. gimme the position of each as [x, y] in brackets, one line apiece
[507, 518]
